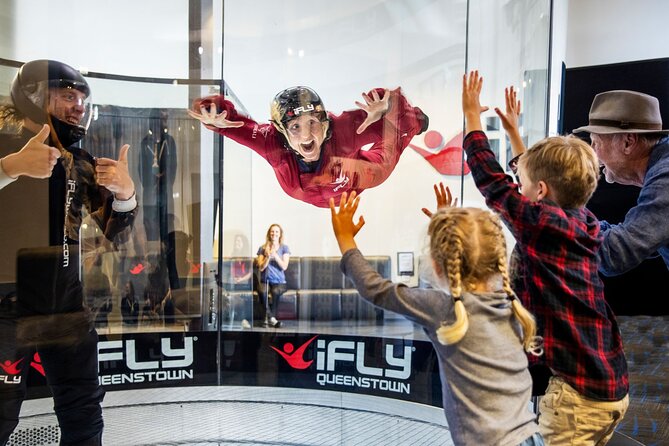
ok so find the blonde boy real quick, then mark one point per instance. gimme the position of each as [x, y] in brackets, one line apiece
[554, 270]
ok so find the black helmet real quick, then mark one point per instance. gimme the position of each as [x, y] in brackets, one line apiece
[293, 102]
[31, 90]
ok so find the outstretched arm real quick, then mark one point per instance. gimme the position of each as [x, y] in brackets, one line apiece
[444, 199]
[500, 192]
[424, 308]
[510, 120]
[626, 245]
[220, 116]
[375, 107]
[389, 135]
[342, 222]
[211, 116]
[471, 105]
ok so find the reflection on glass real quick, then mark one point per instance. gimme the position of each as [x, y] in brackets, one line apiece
[162, 273]
[92, 206]
[157, 172]
[129, 305]
[163, 291]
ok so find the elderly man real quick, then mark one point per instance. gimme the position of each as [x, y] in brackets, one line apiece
[626, 132]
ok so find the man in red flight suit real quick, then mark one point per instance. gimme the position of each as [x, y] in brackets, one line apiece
[317, 155]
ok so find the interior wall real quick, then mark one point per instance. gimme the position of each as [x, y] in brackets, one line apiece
[145, 38]
[611, 31]
[597, 32]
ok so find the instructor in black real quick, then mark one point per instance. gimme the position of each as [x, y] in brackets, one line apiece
[49, 323]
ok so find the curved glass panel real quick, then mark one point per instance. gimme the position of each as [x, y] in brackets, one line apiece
[509, 45]
[176, 291]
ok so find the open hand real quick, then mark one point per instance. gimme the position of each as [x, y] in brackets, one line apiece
[114, 175]
[375, 107]
[510, 117]
[342, 222]
[471, 92]
[211, 117]
[444, 199]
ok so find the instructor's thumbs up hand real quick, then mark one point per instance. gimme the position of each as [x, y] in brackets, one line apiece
[35, 159]
[114, 175]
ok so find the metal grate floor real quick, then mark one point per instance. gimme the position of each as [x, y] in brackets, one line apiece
[242, 416]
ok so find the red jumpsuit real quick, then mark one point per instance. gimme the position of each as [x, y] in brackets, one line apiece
[343, 166]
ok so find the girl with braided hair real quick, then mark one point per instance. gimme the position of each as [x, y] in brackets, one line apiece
[470, 261]
[479, 330]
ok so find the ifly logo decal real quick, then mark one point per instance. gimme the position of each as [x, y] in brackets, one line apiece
[332, 356]
[174, 365]
[263, 129]
[340, 182]
[295, 357]
[71, 189]
[303, 109]
[11, 370]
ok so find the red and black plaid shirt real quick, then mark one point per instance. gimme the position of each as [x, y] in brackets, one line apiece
[554, 273]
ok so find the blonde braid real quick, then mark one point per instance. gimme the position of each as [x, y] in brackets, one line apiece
[525, 318]
[453, 248]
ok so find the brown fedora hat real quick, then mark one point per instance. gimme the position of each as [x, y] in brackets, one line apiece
[624, 111]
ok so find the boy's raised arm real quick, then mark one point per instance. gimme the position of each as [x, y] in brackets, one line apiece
[471, 105]
[509, 120]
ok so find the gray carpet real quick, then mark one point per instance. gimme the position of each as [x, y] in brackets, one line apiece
[646, 341]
